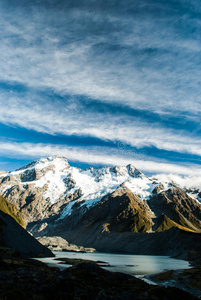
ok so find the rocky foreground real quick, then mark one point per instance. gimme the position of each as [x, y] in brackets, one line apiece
[188, 280]
[23, 278]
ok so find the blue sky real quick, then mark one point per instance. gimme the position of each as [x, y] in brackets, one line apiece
[102, 83]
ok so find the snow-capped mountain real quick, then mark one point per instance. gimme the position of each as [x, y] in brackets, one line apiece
[58, 199]
[52, 185]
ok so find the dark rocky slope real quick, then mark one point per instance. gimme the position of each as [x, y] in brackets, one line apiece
[14, 236]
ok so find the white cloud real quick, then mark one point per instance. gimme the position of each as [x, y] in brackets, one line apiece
[61, 118]
[188, 182]
[96, 155]
[140, 61]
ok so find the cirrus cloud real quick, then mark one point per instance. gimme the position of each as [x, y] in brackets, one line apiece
[118, 71]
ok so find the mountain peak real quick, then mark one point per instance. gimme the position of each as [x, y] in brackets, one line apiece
[45, 161]
[52, 159]
[132, 171]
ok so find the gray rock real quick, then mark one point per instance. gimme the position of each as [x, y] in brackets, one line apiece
[158, 188]
[56, 243]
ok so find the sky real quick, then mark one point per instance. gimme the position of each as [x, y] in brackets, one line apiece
[107, 82]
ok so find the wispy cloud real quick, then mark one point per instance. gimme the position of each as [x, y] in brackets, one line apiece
[70, 119]
[140, 58]
[96, 155]
[188, 182]
[143, 55]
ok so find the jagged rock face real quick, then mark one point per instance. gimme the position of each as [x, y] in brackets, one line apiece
[158, 188]
[28, 200]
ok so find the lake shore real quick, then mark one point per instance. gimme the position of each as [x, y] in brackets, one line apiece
[24, 278]
[181, 277]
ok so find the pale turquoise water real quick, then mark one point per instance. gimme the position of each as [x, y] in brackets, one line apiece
[137, 265]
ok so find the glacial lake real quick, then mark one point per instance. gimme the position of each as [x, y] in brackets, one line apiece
[137, 265]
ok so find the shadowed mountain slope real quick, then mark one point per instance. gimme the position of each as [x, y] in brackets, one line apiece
[14, 236]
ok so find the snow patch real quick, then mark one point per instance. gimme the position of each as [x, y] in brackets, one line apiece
[140, 187]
